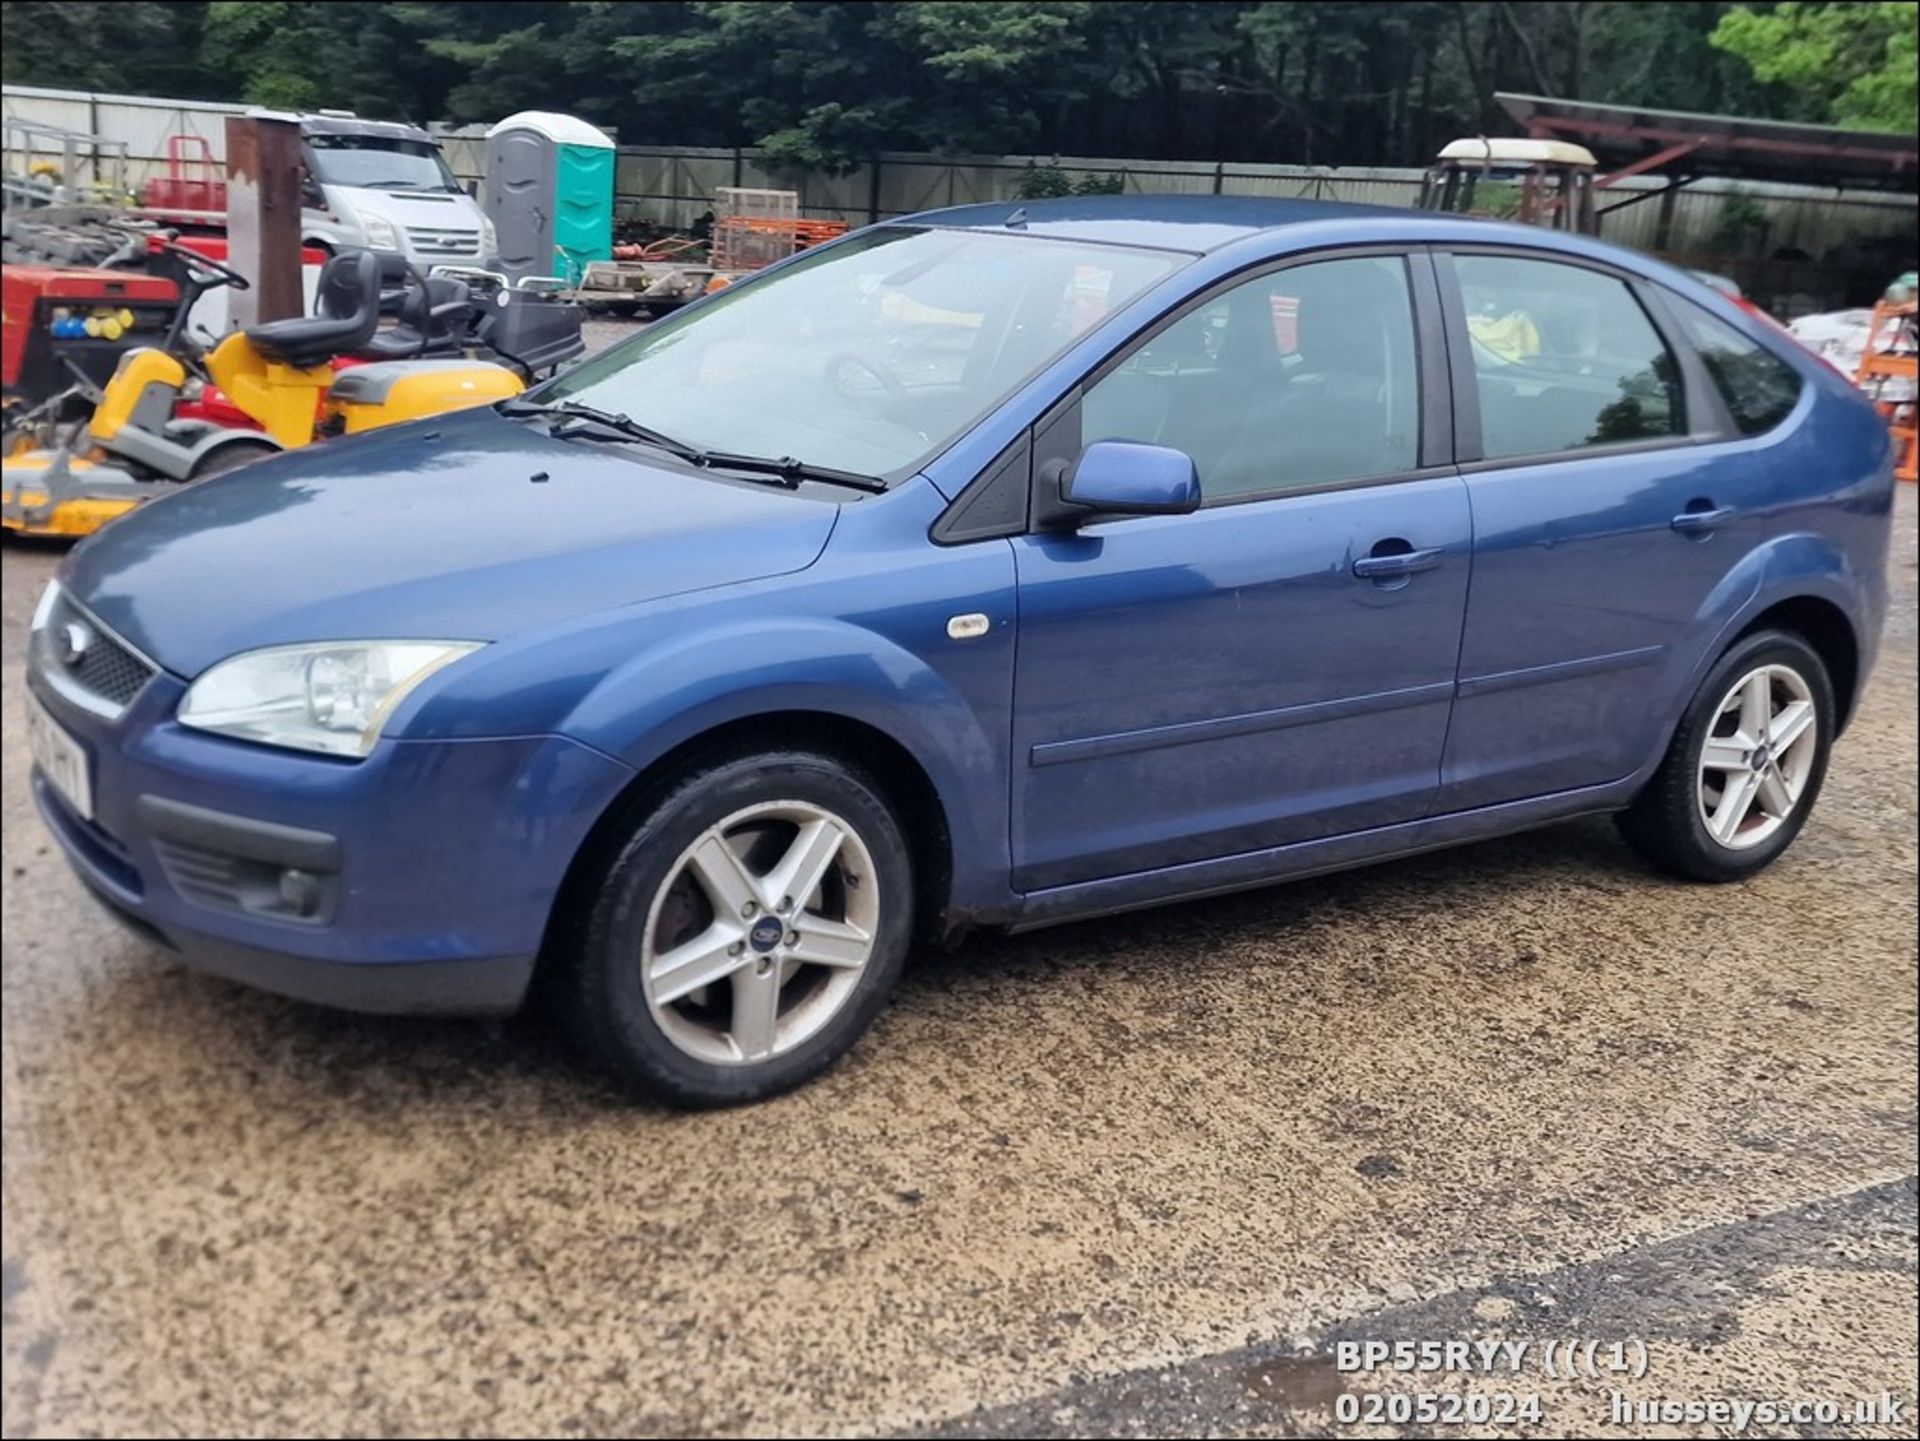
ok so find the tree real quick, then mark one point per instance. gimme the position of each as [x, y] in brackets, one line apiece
[823, 84]
[299, 55]
[991, 75]
[1854, 64]
[99, 44]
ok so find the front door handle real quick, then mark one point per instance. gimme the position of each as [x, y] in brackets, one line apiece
[1693, 522]
[1406, 562]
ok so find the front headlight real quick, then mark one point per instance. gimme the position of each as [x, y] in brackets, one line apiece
[489, 237]
[330, 696]
[379, 231]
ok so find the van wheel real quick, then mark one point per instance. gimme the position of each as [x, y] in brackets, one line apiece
[1745, 766]
[747, 931]
[232, 457]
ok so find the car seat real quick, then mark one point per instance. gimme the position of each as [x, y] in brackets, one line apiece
[348, 302]
[433, 321]
[1332, 420]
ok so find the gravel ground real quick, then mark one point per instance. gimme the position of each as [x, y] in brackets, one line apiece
[1134, 1175]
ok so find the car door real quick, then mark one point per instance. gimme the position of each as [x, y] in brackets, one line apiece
[1604, 517]
[1278, 665]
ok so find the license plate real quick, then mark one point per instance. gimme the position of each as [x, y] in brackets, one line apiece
[60, 758]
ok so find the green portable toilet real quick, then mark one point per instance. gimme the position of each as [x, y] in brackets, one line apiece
[549, 193]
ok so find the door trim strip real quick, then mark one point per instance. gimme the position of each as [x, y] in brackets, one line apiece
[1053, 753]
[1560, 670]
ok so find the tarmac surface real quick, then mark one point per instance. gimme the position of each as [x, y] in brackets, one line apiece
[1131, 1176]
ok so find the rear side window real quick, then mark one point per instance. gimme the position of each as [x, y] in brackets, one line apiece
[1564, 358]
[1759, 387]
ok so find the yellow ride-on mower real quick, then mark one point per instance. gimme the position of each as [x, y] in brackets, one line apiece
[281, 375]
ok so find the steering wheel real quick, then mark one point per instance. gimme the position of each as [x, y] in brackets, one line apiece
[889, 382]
[225, 274]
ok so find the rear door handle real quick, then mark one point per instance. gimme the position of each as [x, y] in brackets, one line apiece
[1407, 562]
[1692, 521]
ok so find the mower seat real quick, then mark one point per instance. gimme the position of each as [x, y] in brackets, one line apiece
[349, 306]
[433, 322]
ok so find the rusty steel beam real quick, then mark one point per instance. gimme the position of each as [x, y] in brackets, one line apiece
[263, 215]
[1546, 127]
[1650, 162]
[1666, 193]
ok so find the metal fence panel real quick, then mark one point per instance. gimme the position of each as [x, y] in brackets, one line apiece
[674, 185]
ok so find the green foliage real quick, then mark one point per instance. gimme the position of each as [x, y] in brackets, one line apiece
[300, 55]
[1046, 182]
[1042, 182]
[1741, 226]
[99, 44]
[1852, 64]
[824, 84]
[1496, 199]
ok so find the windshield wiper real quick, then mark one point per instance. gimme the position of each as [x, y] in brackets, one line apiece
[621, 425]
[792, 472]
[785, 469]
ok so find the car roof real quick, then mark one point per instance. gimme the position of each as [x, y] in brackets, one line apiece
[1193, 223]
[317, 124]
[1524, 151]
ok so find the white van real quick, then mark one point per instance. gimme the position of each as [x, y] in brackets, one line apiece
[383, 185]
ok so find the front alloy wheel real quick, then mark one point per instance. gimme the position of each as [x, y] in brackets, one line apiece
[746, 928]
[760, 933]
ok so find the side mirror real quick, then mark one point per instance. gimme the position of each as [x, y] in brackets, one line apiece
[1125, 477]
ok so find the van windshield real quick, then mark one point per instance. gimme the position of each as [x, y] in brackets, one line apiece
[871, 355]
[378, 162]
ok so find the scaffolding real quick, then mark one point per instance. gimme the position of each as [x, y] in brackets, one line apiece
[752, 228]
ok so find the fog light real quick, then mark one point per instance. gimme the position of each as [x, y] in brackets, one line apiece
[300, 892]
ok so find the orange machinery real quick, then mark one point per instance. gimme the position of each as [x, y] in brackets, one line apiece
[1891, 363]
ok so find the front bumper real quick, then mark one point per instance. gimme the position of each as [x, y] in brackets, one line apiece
[418, 880]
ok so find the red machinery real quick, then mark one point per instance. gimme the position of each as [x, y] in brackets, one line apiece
[195, 184]
[62, 319]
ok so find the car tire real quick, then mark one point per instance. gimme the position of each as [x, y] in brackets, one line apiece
[1704, 821]
[670, 909]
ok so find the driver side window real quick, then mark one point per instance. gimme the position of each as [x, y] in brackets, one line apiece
[1300, 377]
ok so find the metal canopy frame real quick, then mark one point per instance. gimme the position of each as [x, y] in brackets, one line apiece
[1632, 140]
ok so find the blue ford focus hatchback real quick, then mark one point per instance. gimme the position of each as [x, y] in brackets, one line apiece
[991, 567]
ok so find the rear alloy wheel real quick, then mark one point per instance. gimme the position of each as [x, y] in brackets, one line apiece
[1745, 765]
[749, 929]
[1756, 759]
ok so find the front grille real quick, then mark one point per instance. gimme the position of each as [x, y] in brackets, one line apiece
[86, 662]
[432, 241]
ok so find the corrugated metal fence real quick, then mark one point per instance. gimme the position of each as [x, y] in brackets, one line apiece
[673, 185]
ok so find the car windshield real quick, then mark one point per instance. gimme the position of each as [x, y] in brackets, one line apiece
[872, 355]
[378, 162]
